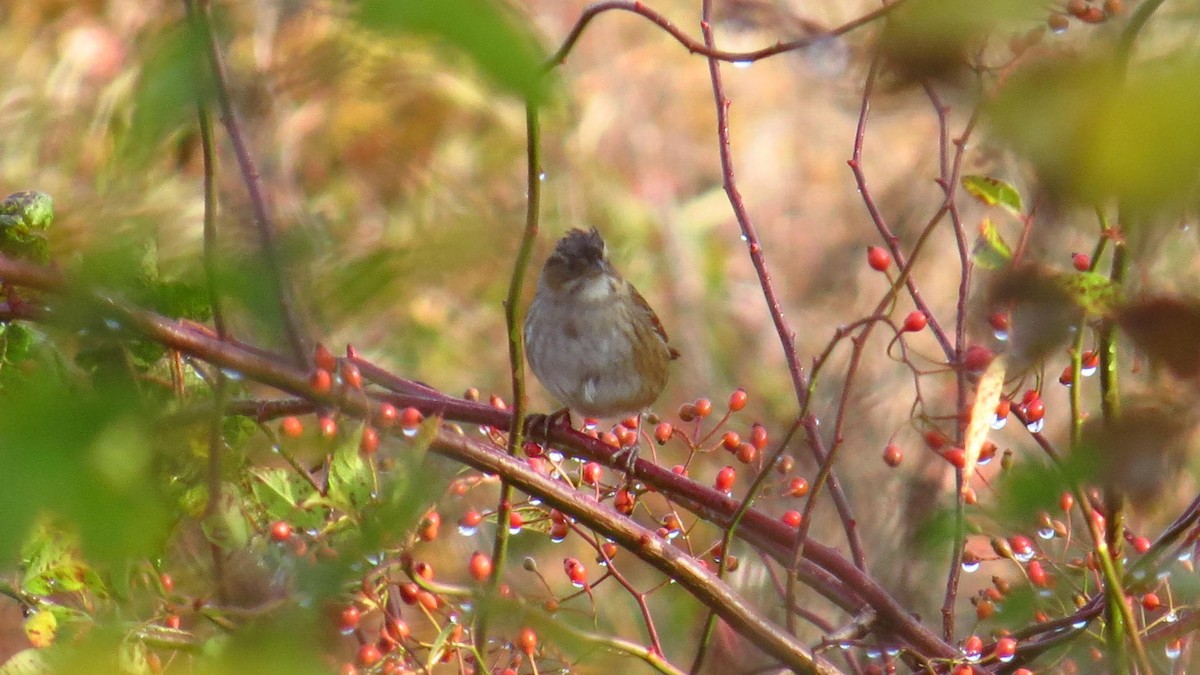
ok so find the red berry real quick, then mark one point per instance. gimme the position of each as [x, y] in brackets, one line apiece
[1058, 22]
[1066, 378]
[935, 439]
[408, 592]
[321, 381]
[349, 618]
[369, 442]
[1037, 574]
[480, 566]
[397, 629]
[428, 600]
[1089, 360]
[747, 453]
[977, 358]
[725, 478]
[758, 436]
[662, 432]
[1000, 321]
[956, 456]
[1021, 545]
[893, 455]
[575, 571]
[291, 427]
[387, 415]
[798, 487]
[369, 655]
[1003, 408]
[351, 375]
[1066, 501]
[515, 522]
[1006, 648]
[626, 437]
[430, 525]
[171, 621]
[323, 358]
[915, 321]
[972, 646]
[470, 519]
[730, 441]
[624, 501]
[737, 400]
[791, 518]
[527, 641]
[423, 570]
[591, 473]
[703, 407]
[1151, 602]
[878, 259]
[984, 609]
[328, 428]
[1035, 410]
[1081, 261]
[281, 530]
[1140, 544]
[167, 583]
[410, 418]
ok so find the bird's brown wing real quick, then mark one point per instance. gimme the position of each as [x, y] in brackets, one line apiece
[654, 321]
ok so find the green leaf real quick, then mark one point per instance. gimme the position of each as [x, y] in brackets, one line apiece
[173, 81]
[439, 645]
[227, 527]
[1095, 132]
[1094, 292]
[24, 219]
[284, 496]
[350, 477]
[86, 454]
[51, 564]
[497, 41]
[990, 252]
[993, 192]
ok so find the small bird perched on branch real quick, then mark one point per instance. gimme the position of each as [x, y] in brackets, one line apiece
[591, 338]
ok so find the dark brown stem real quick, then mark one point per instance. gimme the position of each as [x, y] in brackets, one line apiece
[265, 227]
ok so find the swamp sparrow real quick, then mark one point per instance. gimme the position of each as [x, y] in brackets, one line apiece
[591, 338]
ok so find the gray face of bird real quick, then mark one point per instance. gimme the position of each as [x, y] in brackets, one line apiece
[579, 266]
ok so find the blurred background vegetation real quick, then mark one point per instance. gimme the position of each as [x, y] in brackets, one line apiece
[395, 168]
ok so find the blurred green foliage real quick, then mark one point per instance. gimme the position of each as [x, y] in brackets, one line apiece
[1096, 132]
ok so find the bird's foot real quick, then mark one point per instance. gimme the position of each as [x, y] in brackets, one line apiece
[538, 426]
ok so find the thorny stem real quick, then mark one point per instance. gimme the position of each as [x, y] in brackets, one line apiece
[787, 336]
[949, 175]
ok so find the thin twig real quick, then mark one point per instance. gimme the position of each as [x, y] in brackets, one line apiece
[706, 49]
[267, 235]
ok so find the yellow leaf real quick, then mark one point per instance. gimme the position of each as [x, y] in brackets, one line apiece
[987, 396]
